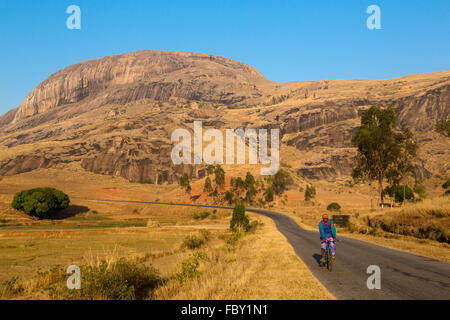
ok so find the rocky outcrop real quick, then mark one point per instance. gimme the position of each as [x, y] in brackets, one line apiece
[115, 115]
[156, 75]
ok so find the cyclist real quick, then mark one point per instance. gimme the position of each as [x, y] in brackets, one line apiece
[327, 232]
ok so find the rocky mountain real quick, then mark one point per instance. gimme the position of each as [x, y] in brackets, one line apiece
[115, 115]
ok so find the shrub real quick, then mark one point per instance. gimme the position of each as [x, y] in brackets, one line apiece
[334, 206]
[40, 202]
[310, 192]
[193, 242]
[123, 279]
[202, 215]
[189, 269]
[239, 221]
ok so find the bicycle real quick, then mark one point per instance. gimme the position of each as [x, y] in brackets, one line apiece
[329, 256]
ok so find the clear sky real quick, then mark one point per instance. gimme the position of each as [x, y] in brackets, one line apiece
[285, 40]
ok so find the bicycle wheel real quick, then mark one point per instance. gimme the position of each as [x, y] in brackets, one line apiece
[329, 259]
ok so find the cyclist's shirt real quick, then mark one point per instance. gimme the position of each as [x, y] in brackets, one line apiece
[327, 230]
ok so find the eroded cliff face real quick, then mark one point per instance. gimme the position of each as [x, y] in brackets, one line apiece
[156, 75]
[115, 116]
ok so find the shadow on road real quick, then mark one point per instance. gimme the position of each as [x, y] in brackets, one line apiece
[317, 257]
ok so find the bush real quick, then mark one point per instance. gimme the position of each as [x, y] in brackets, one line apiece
[334, 206]
[239, 221]
[193, 242]
[310, 192]
[124, 279]
[40, 202]
[201, 215]
[189, 268]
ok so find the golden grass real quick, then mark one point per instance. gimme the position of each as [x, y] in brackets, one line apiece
[263, 266]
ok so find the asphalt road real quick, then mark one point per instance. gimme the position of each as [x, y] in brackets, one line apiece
[403, 275]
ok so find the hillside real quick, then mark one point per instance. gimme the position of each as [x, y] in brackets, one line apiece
[115, 116]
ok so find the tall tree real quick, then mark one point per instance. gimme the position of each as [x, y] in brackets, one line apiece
[219, 176]
[208, 186]
[385, 152]
[184, 182]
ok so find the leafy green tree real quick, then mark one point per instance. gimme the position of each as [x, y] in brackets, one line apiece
[281, 180]
[184, 182]
[310, 192]
[385, 152]
[249, 180]
[229, 196]
[219, 176]
[239, 220]
[210, 169]
[40, 202]
[251, 193]
[238, 184]
[268, 194]
[208, 186]
[399, 192]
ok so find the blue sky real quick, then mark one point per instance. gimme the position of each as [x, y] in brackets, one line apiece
[285, 40]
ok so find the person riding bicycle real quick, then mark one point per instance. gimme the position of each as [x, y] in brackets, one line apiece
[327, 233]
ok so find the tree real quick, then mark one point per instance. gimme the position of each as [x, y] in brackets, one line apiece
[249, 180]
[210, 169]
[384, 151]
[239, 221]
[310, 192]
[219, 176]
[184, 182]
[251, 193]
[280, 181]
[208, 186]
[40, 202]
[399, 193]
[229, 197]
[268, 194]
[238, 184]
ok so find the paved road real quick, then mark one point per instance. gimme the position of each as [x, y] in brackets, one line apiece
[403, 275]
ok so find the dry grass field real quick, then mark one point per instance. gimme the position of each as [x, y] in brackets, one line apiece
[261, 265]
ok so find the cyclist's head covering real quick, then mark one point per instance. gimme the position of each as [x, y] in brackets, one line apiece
[325, 216]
